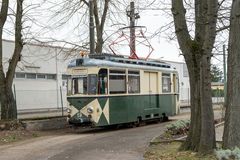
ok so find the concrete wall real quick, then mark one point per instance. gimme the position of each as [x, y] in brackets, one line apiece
[34, 92]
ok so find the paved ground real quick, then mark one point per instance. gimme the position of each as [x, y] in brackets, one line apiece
[120, 144]
[89, 144]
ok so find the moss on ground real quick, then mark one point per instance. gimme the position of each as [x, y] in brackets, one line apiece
[170, 151]
[7, 137]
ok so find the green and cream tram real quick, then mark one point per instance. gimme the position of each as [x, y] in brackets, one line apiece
[108, 90]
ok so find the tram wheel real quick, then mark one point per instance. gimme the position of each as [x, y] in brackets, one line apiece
[139, 122]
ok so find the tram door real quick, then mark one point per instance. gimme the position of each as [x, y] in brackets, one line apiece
[151, 88]
[102, 81]
[176, 92]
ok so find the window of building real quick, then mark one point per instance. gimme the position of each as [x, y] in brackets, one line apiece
[166, 82]
[65, 77]
[117, 81]
[51, 76]
[20, 75]
[31, 75]
[41, 76]
[35, 76]
[133, 82]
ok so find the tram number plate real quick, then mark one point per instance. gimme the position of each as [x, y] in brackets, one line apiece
[79, 71]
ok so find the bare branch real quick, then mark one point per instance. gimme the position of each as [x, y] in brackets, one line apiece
[223, 28]
[181, 28]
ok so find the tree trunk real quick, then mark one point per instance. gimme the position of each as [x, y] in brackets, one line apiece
[8, 104]
[197, 54]
[201, 135]
[231, 136]
[207, 139]
[193, 138]
[99, 44]
[100, 22]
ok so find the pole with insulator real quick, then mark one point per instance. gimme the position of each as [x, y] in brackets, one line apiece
[91, 28]
[132, 29]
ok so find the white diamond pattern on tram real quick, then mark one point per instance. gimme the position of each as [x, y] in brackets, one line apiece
[97, 110]
[106, 111]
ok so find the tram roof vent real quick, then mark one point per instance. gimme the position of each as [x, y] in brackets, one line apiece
[104, 56]
[139, 62]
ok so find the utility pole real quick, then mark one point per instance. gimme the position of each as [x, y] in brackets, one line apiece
[133, 16]
[132, 29]
[224, 75]
[91, 28]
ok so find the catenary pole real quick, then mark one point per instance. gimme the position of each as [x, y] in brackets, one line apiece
[224, 75]
[91, 28]
[132, 29]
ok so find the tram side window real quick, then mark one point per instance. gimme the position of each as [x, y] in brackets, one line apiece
[102, 81]
[166, 82]
[92, 84]
[133, 82]
[79, 85]
[117, 81]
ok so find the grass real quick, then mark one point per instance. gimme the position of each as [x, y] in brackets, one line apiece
[169, 151]
[7, 137]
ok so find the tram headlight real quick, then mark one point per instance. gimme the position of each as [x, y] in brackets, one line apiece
[90, 110]
[69, 110]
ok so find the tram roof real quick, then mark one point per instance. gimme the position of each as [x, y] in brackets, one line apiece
[119, 61]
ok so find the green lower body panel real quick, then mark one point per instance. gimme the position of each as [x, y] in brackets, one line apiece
[111, 110]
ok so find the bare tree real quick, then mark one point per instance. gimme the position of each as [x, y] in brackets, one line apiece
[197, 52]
[100, 14]
[231, 136]
[106, 12]
[8, 105]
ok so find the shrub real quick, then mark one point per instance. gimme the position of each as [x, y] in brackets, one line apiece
[236, 153]
[217, 93]
[228, 154]
[179, 127]
[11, 125]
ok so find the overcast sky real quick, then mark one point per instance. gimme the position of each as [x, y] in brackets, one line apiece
[151, 19]
[163, 47]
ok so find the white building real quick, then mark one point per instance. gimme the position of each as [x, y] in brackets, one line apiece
[41, 77]
[184, 86]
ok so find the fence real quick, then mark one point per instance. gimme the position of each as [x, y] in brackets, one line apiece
[185, 100]
[184, 97]
[32, 99]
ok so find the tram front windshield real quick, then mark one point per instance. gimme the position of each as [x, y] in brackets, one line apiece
[82, 84]
[79, 85]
